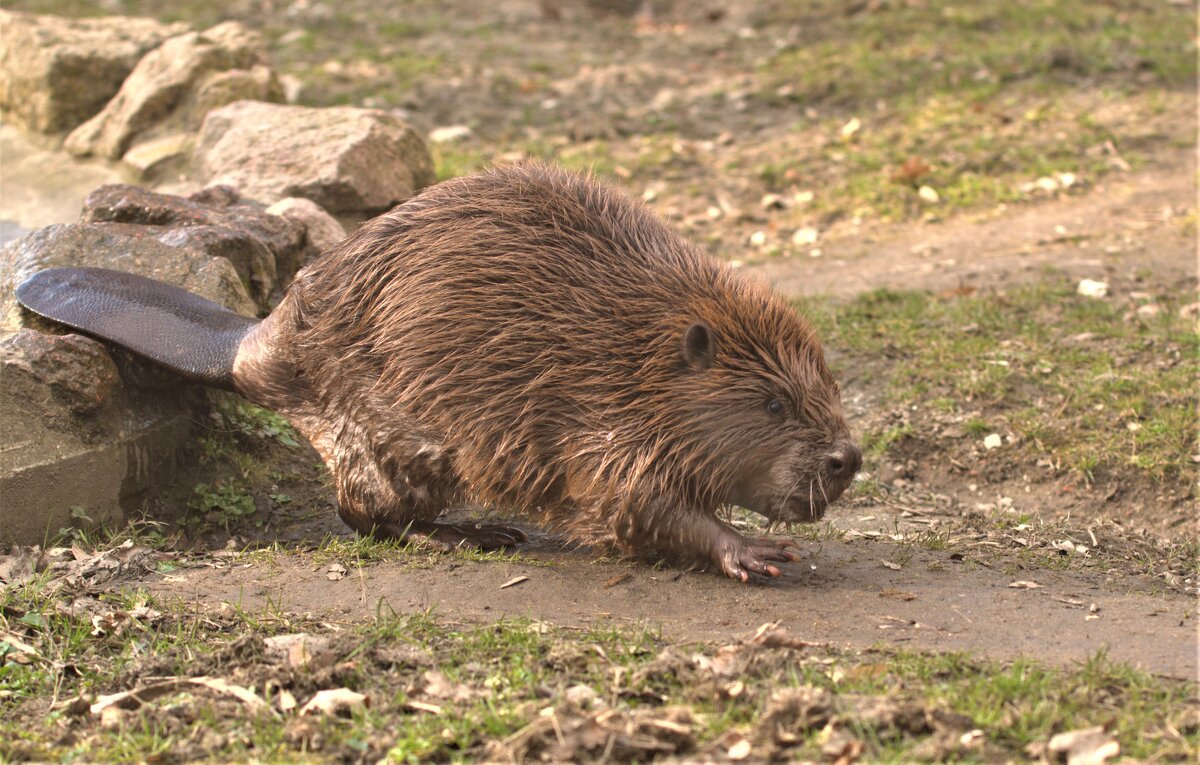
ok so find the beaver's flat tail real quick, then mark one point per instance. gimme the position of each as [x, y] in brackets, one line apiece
[185, 333]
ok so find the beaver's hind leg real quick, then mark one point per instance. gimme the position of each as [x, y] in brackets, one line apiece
[397, 489]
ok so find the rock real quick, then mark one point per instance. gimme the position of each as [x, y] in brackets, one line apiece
[323, 229]
[79, 374]
[450, 134]
[173, 85]
[78, 440]
[1092, 288]
[77, 244]
[259, 83]
[346, 159]
[293, 88]
[805, 236]
[254, 263]
[216, 207]
[158, 158]
[56, 72]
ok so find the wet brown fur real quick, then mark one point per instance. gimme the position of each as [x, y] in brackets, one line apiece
[521, 339]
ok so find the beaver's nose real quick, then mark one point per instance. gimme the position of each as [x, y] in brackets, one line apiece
[843, 460]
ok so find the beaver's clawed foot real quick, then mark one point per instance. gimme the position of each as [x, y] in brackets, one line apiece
[740, 556]
[468, 536]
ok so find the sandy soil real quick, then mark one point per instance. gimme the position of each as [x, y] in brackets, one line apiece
[1120, 231]
[842, 593]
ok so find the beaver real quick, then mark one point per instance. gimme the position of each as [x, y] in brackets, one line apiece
[527, 339]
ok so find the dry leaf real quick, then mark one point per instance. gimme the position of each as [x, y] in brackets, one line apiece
[772, 636]
[740, 750]
[913, 169]
[244, 695]
[287, 702]
[299, 648]
[618, 579]
[22, 652]
[138, 696]
[438, 686]
[20, 565]
[514, 581]
[1022, 584]
[1087, 746]
[334, 701]
[889, 564]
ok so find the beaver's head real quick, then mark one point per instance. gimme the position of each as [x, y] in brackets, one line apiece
[764, 412]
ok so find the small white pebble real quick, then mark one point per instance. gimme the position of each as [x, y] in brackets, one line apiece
[806, 235]
[450, 134]
[1092, 288]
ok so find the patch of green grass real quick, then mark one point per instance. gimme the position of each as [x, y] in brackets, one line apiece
[649, 156]
[922, 49]
[1018, 703]
[977, 427]
[973, 101]
[360, 551]
[1079, 382]
[451, 161]
[143, 532]
[971, 154]
[497, 679]
[223, 503]
[235, 415]
[876, 443]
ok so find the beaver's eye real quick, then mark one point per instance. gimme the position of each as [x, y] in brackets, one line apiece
[775, 407]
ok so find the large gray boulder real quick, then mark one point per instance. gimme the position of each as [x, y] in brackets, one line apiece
[346, 159]
[175, 85]
[55, 72]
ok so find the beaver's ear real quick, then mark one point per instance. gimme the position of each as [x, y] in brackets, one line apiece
[699, 346]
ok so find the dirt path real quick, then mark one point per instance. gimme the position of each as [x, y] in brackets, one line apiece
[841, 593]
[1132, 222]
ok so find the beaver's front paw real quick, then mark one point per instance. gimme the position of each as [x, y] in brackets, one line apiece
[739, 557]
